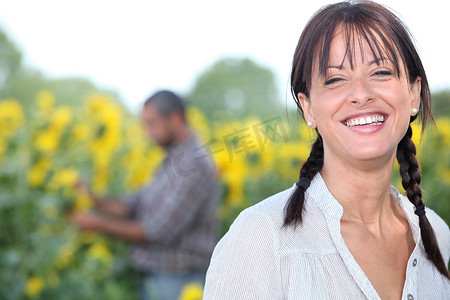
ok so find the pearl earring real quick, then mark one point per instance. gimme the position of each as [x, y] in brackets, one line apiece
[415, 111]
[309, 123]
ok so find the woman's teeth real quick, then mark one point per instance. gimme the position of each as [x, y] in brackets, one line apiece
[370, 120]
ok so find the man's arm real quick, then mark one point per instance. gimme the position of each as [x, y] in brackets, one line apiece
[126, 229]
[113, 207]
[110, 206]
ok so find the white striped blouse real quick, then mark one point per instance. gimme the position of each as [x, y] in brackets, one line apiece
[258, 259]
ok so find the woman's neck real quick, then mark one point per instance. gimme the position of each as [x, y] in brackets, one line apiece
[362, 189]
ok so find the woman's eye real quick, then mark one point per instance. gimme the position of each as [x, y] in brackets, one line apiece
[383, 73]
[332, 80]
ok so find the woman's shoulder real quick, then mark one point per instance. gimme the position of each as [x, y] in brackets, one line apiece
[246, 257]
[257, 219]
[272, 207]
[438, 224]
[264, 221]
[440, 228]
[441, 231]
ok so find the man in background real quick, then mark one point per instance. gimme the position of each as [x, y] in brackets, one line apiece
[171, 221]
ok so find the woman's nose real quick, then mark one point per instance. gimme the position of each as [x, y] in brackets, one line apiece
[360, 92]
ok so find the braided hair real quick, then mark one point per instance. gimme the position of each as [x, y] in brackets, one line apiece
[411, 177]
[310, 168]
[388, 37]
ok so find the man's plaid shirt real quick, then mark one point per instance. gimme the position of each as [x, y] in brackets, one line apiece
[178, 210]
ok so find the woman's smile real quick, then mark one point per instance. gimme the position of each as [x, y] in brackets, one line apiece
[365, 123]
[365, 120]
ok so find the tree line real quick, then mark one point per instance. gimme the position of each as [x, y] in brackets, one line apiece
[232, 87]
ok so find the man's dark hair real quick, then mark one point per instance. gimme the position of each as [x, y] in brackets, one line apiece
[167, 102]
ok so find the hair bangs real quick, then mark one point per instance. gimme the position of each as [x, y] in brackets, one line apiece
[358, 35]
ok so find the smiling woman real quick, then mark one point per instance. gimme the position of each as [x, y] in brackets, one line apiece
[343, 232]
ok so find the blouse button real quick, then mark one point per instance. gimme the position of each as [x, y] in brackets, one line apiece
[410, 297]
[414, 262]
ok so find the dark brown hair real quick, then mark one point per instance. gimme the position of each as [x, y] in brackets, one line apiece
[388, 38]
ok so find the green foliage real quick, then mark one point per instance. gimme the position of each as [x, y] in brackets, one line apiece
[10, 58]
[441, 103]
[21, 82]
[233, 88]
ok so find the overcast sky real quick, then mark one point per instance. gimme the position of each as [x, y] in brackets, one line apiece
[138, 47]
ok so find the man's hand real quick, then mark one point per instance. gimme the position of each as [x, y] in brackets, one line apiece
[86, 220]
[82, 187]
[110, 206]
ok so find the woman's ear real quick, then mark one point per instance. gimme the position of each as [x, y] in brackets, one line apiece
[415, 95]
[305, 103]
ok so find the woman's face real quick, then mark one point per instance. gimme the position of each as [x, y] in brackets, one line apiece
[362, 112]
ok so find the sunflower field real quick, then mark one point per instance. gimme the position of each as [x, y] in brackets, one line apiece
[44, 153]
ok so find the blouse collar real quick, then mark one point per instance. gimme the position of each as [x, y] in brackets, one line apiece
[332, 209]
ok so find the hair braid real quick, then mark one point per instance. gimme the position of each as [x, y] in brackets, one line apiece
[314, 163]
[411, 177]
